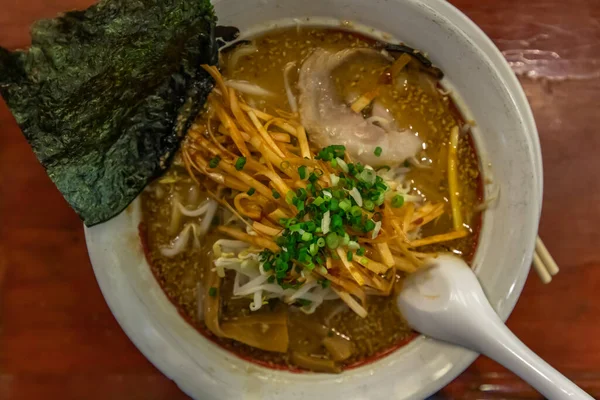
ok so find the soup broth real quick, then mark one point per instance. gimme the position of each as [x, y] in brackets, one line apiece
[333, 336]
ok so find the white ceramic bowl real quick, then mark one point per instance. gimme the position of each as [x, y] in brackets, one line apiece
[505, 136]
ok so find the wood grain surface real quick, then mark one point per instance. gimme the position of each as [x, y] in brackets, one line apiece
[58, 339]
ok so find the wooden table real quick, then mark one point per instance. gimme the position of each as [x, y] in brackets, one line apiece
[58, 339]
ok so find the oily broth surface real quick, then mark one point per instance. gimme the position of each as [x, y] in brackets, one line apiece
[414, 104]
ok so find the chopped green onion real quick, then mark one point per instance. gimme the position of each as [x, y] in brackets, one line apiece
[325, 283]
[330, 152]
[345, 239]
[321, 242]
[380, 199]
[289, 197]
[214, 162]
[349, 255]
[334, 163]
[353, 245]
[239, 164]
[301, 193]
[355, 211]
[336, 221]
[251, 191]
[369, 225]
[212, 292]
[306, 236]
[276, 194]
[334, 204]
[295, 227]
[361, 251]
[397, 201]
[302, 171]
[313, 248]
[318, 201]
[369, 205]
[345, 204]
[377, 151]
[332, 240]
[367, 176]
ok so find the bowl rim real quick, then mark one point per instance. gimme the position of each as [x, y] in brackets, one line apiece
[502, 69]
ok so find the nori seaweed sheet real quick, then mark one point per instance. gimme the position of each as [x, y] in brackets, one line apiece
[105, 95]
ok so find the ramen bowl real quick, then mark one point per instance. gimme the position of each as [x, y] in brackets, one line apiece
[485, 90]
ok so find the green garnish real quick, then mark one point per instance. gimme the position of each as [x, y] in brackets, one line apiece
[302, 171]
[334, 204]
[336, 221]
[397, 201]
[214, 162]
[301, 193]
[331, 152]
[345, 204]
[212, 292]
[332, 240]
[377, 151]
[355, 211]
[240, 162]
[251, 191]
[332, 210]
[290, 197]
[276, 194]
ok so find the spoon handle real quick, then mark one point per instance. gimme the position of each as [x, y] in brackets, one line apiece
[498, 343]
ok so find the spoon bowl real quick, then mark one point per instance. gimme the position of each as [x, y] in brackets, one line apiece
[445, 301]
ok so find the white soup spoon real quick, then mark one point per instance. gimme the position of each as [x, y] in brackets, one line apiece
[445, 301]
